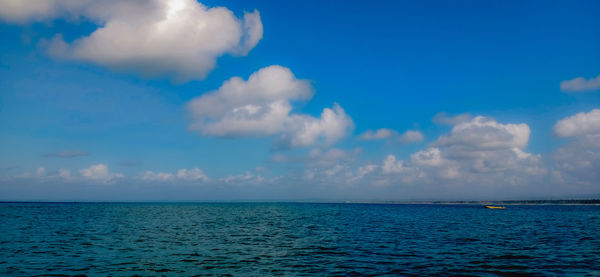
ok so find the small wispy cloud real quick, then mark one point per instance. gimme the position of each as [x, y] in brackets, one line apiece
[99, 172]
[383, 133]
[580, 84]
[66, 154]
[411, 136]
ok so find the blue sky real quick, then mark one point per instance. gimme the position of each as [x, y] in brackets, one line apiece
[112, 100]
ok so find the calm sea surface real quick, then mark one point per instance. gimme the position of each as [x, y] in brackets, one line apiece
[260, 239]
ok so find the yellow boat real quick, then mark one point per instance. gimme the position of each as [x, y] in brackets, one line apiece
[494, 207]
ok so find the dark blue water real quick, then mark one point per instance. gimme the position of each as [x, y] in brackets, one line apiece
[297, 239]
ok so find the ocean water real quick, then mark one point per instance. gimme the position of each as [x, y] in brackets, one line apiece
[295, 239]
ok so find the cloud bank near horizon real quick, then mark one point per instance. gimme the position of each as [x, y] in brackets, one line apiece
[482, 154]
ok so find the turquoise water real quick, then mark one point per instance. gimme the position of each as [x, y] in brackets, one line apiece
[291, 239]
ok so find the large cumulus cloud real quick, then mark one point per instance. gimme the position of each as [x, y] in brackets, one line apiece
[578, 161]
[481, 151]
[180, 39]
[262, 106]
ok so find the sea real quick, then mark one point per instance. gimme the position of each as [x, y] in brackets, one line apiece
[297, 239]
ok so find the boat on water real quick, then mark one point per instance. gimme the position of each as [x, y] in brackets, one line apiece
[495, 207]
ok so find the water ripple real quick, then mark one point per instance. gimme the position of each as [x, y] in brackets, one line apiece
[297, 240]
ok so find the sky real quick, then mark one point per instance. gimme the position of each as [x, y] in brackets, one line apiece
[179, 100]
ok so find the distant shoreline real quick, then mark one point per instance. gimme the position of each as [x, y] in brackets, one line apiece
[488, 202]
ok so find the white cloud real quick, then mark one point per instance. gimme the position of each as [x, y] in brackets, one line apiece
[261, 106]
[396, 171]
[486, 133]
[331, 166]
[258, 106]
[411, 136]
[42, 174]
[40, 171]
[429, 157]
[180, 39]
[149, 175]
[392, 165]
[580, 84]
[279, 158]
[24, 11]
[480, 151]
[99, 172]
[366, 169]
[194, 174]
[579, 124]
[445, 119]
[309, 174]
[253, 32]
[319, 159]
[330, 157]
[304, 130]
[376, 135]
[330, 172]
[247, 177]
[64, 173]
[578, 162]
[342, 174]
[484, 146]
[406, 137]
